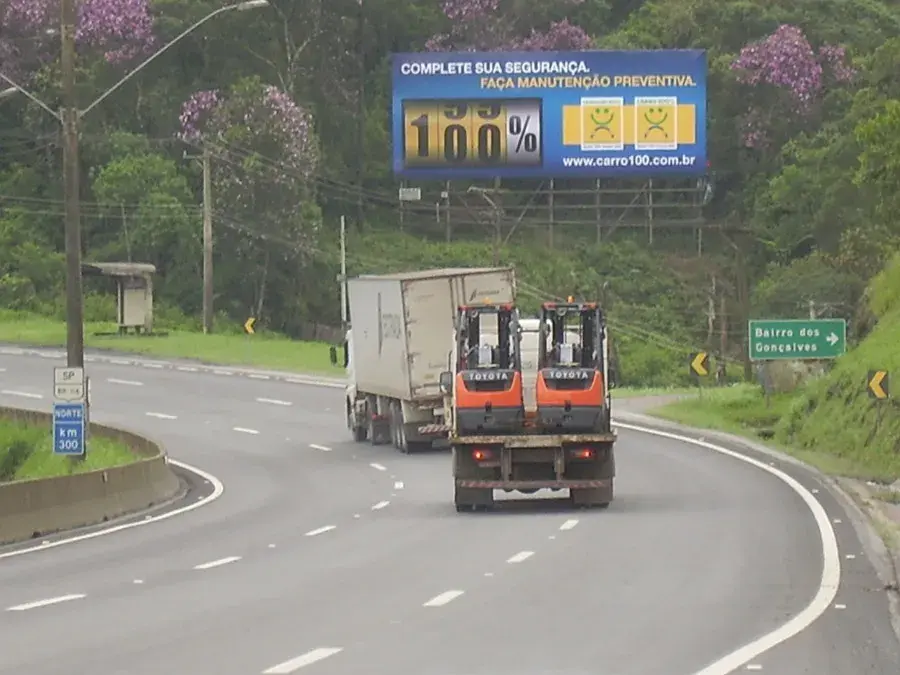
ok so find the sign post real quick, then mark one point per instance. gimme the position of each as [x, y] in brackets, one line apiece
[699, 368]
[796, 339]
[70, 412]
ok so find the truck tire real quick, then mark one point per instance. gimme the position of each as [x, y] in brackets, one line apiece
[359, 433]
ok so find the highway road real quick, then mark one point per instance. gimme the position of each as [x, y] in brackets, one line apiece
[326, 557]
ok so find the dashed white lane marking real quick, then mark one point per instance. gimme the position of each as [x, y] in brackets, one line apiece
[217, 563]
[186, 369]
[840, 606]
[379, 506]
[398, 485]
[273, 401]
[323, 448]
[157, 366]
[23, 394]
[569, 524]
[2, 370]
[521, 556]
[320, 530]
[130, 383]
[754, 666]
[377, 467]
[831, 561]
[162, 416]
[119, 362]
[138, 581]
[258, 377]
[244, 430]
[303, 660]
[222, 372]
[850, 556]
[443, 599]
[837, 521]
[44, 603]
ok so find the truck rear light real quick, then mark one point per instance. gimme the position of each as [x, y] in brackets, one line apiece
[480, 455]
[585, 453]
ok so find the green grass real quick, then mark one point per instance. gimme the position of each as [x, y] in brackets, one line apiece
[26, 452]
[260, 350]
[744, 411]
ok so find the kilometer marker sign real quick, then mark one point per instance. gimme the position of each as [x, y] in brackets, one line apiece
[794, 339]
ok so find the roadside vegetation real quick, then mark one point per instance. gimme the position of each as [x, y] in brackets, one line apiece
[831, 422]
[26, 452]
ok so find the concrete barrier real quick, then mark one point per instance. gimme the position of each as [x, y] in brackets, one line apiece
[32, 508]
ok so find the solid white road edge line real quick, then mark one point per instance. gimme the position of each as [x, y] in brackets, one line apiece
[44, 603]
[831, 567]
[217, 563]
[299, 662]
[218, 490]
[162, 416]
[443, 599]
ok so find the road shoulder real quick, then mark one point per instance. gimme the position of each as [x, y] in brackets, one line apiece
[874, 528]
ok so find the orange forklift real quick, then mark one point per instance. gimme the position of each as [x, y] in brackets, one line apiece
[572, 389]
[488, 379]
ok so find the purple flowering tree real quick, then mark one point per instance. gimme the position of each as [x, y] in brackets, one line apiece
[496, 25]
[788, 79]
[265, 157]
[121, 30]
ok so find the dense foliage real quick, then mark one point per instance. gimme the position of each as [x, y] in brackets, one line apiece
[291, 102]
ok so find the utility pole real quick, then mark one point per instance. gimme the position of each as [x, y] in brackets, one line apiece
[207, 244]
[361, 116]
[343, 278]
[711, 315]
[70, 114]
[723, 340]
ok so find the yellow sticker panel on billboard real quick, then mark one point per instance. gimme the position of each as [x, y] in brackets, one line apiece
[646, 129]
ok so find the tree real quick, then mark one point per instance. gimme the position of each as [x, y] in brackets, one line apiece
[265, 156]
[495, 25]
[787, 79]
[121, 29]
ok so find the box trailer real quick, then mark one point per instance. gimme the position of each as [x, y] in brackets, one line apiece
[399, 342]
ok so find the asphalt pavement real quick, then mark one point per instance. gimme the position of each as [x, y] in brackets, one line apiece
[325, 556]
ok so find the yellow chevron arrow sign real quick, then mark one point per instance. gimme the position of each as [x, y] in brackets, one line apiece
[879, 384]
[700, 364]
[248, 325]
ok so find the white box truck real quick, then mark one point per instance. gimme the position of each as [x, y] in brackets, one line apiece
[398, 344]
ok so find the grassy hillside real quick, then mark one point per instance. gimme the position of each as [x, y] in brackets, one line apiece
[835, 414]
[832, 423]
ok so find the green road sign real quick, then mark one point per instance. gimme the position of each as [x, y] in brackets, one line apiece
[783, 340]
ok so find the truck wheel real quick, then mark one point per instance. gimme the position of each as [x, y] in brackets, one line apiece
[359, 433]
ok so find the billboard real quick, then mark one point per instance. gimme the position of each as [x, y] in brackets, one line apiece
[549, 114]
